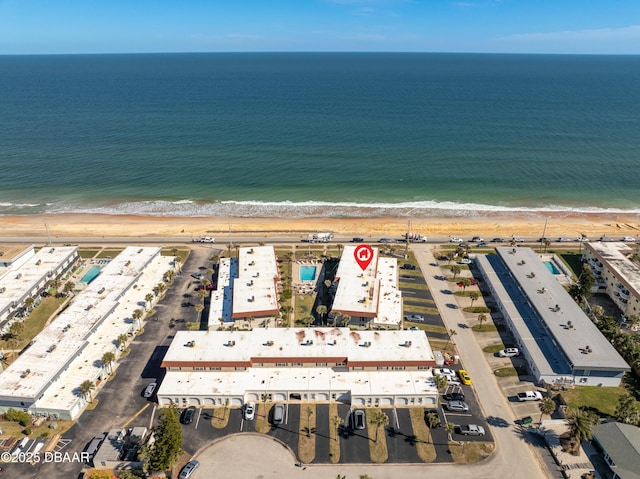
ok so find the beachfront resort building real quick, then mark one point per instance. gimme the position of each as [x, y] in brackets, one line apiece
[371, 297]
[28, 274]
[558, 341]
[616, 274]
[364, 368]
[45, 379]
[246, 287]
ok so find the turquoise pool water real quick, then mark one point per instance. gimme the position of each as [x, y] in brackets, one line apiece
[551, 267]
[307, 273]
[91, 274]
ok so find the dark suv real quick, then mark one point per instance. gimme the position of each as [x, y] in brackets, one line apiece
[187, 415]
[454, 393]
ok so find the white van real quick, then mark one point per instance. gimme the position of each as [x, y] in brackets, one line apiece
[278, 414]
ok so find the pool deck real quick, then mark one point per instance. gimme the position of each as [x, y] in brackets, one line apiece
[301, 286]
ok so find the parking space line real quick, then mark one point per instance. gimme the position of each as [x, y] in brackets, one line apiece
[198, 418]
[136, 415]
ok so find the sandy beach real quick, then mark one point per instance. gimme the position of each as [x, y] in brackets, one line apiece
[489, 226]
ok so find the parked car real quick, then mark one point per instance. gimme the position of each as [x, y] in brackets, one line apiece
[413, 328]
[187, 415]
[249, 412]
[472, 282]
[465, 261]
[457, 406]
[148, 391]
[454, 393]
[188, 469]
[471, 430]
[358, 420]
[509, 352]
[418, 318]
[443, 372]
[530, 396]
[278, 414]
[409, 266]
[197, 276]
[464, 377]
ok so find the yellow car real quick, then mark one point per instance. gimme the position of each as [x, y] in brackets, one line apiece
[464, 377]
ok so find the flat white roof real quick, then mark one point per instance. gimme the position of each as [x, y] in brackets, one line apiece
[71, 332]
[259, 380]
[220, 303]
[556, 309]
[254, 291]
[87, 365]
[358, 289]
[390, 297]
[306, 343]
[614, 256]
[17, 282]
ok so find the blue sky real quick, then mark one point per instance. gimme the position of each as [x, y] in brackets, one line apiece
[503, 26]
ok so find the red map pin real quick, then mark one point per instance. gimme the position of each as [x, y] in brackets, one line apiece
[363, 255]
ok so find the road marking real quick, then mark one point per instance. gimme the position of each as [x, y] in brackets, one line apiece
[198, 418]
[136, 415]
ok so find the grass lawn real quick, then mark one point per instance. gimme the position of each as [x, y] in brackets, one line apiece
[426, 450]
[334, 439]
[377, 449]
[443, 346]
[602, 401]
[220, 417]
[109, 253]
[35, 323]
[304, 303]
[412, 285]
[510, 371]
[183, 254]
[484, 328]
[87, 253]
[433, 328]
[573, 261]
[13, 429]
[262, 418]
[494, 348]
[423, 310]
[477, 309]
[470, 452]
[306, 433]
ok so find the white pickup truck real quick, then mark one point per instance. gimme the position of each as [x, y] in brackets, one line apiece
[530, 396]
[204, 239]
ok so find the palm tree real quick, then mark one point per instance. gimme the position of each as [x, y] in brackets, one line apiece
[137, 315]
[16, 329]
[309, 412]
[450, 427]
[122, 340]
[56, 284]
[340, 247]
[336, 420]
[455, 269]
[546, 406]
[29, 302]
[547, 243]
[580, 424]
[474, 295]
[68, 286]
[450, 255]
[159, 288]
[199, 309]
[85, 389]
[432, 420]
[322, 311]
[465, 282]
[627, 410]
[148, 298]
[107, 359]
[441, 382]
[582, 238]
[308, 321]
[346, 319]
[202, 294]
[378, 419]
[452, 333]
[482, 318]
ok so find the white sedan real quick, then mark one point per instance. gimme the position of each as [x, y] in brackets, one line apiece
[443, 372]
[455, 240]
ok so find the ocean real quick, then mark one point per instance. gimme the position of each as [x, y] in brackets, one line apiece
[319, 134]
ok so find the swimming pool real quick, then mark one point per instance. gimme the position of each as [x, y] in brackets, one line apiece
[551, 267]
[90, 275]
[307, 273]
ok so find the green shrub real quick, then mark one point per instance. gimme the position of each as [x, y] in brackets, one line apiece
[26, 431]
[18, 416]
